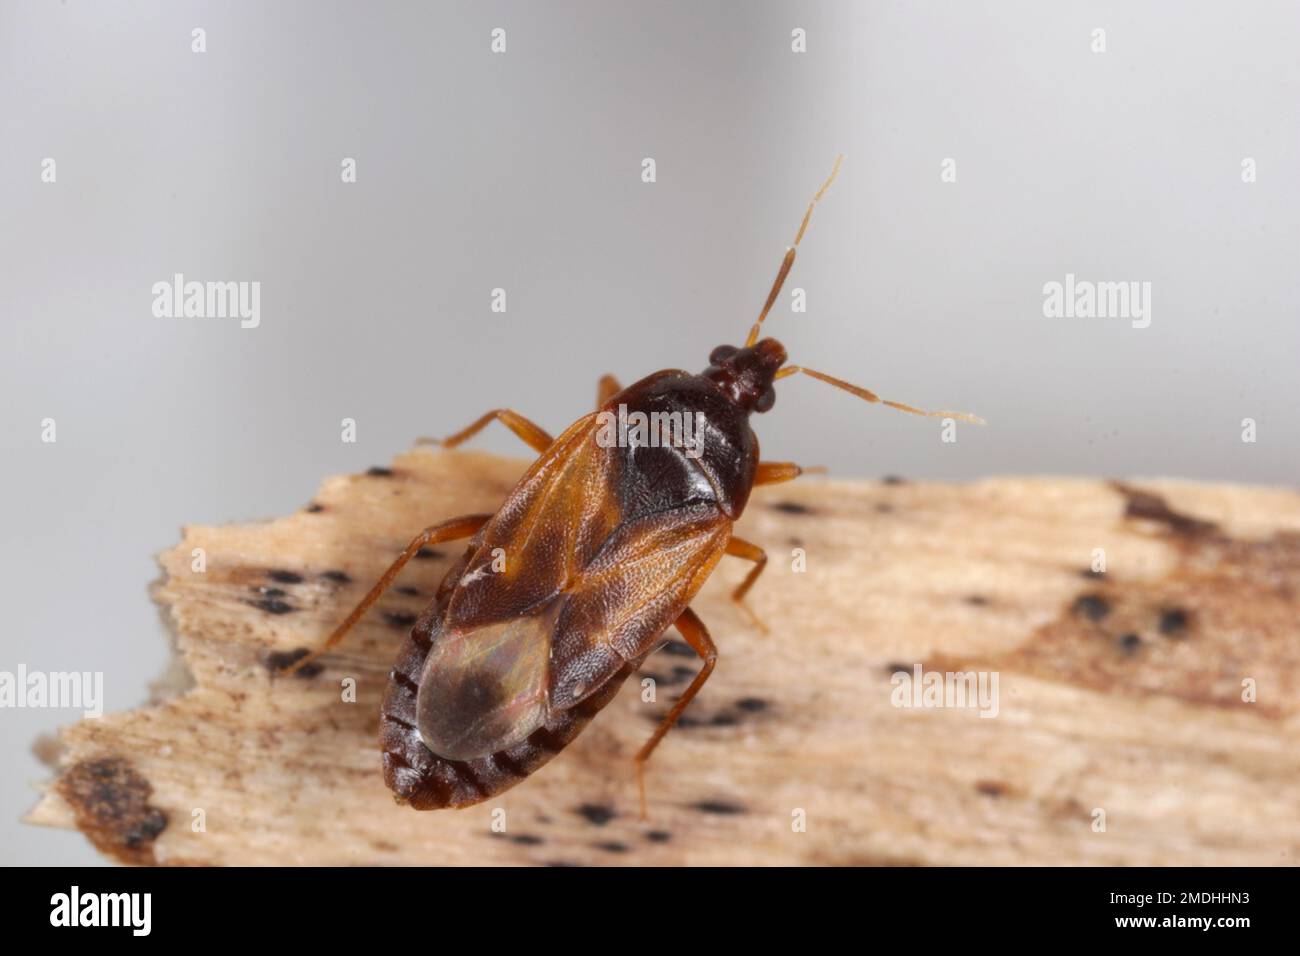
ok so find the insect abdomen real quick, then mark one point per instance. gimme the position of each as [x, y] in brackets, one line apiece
[426, 781]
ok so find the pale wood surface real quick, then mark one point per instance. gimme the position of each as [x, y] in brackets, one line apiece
[1144, 722]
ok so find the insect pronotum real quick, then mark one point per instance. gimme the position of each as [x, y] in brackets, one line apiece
[605, 542]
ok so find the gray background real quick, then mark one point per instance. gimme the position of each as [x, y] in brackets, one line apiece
[523, 171]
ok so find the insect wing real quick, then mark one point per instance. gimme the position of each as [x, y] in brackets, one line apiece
[544, 534]
[563, 579]
[484, 690]
[629, 595]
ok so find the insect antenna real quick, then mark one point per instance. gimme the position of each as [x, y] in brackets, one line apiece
[788, 261]
[870, 396]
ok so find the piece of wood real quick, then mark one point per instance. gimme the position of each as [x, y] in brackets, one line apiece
[1120, 692]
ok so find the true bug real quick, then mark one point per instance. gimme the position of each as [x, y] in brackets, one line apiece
[604, 546]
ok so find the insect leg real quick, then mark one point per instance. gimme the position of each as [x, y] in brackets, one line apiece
[692, 628]
[462, 527]
[531, 433]
[772, 472]
[740, 548]
[607, 389]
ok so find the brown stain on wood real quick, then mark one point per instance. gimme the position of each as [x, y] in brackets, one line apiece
[1194, 634]
[111, 803]
[1148, 506]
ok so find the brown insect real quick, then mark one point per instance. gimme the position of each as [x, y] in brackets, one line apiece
[604, 543]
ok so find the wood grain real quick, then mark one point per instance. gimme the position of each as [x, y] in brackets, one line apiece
[1120, 692]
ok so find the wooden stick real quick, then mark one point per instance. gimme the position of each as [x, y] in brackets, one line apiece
[1120, 694]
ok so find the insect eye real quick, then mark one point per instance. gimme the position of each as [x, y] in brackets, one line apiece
[721, 354]
[766, 400]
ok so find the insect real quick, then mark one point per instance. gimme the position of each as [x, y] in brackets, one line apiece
[562, 593]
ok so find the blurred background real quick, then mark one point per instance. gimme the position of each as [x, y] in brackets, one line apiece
[991, 149]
